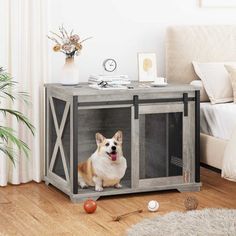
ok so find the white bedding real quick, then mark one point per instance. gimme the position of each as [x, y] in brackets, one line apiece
[229, 159]
[218, 120]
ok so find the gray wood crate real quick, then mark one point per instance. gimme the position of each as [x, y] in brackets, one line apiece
[160, 128]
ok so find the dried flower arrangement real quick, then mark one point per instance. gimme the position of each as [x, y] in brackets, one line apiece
[69, 44]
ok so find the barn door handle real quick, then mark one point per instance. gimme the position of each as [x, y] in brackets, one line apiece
[136, 109]
[185, 100]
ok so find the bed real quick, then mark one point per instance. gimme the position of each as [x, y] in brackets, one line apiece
[185, 44]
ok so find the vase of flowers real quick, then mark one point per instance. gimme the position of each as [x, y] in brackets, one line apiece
[70, 45]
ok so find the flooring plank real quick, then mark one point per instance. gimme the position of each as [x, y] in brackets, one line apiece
[37, 209]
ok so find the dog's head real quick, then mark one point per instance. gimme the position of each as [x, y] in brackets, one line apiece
[111, 148]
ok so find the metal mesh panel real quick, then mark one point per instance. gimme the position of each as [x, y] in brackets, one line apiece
[160, 145]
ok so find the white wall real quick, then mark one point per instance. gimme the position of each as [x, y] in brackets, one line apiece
[122, 28]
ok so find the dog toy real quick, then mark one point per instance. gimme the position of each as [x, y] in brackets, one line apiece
[90, 206]
[119, 217]
[191, 203]
[153, 205]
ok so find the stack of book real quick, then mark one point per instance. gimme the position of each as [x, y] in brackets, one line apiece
[109, 81]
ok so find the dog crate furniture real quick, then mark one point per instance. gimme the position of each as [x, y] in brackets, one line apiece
[160, 136]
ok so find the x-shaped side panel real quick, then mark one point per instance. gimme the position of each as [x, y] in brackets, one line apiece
[59, 132]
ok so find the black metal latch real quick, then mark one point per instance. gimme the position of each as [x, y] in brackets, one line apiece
[185, 100]
[135, 103]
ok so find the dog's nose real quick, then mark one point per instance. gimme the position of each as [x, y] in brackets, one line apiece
[113, 148]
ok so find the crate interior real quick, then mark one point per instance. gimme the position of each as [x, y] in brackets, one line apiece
[106, 121]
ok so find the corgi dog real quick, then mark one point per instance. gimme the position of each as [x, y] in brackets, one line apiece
[106, 166]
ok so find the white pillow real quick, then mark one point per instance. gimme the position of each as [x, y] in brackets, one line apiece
[203, 95]
[216, 81]
[232, 74]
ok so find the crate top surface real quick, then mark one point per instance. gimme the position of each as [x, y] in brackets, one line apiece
[83, 89]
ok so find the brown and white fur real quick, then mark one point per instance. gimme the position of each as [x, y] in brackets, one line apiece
[107, 165]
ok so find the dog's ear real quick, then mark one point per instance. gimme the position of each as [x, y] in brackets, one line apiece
[118, 136]
[99, 138]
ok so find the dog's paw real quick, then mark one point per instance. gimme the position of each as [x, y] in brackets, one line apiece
[83, 185]
[98, 189]
[118, 186]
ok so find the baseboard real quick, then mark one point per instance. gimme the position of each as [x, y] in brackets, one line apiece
[210, 167]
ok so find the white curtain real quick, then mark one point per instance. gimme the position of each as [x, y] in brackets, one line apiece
[23, 52]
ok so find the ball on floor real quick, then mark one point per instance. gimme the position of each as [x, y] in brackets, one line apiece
[191, 203]
[90, 206]
[153, 205]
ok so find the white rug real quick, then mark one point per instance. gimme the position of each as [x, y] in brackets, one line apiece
[213, 222]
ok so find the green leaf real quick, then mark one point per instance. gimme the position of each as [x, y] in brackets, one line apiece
[20, 117]
[8, 135]
[8, 151]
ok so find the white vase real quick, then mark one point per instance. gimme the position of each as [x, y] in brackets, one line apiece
[70, 72]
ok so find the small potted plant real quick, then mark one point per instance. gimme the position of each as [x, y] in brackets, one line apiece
[69, 44]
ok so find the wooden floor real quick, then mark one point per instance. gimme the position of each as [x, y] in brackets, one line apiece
[36, 209]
